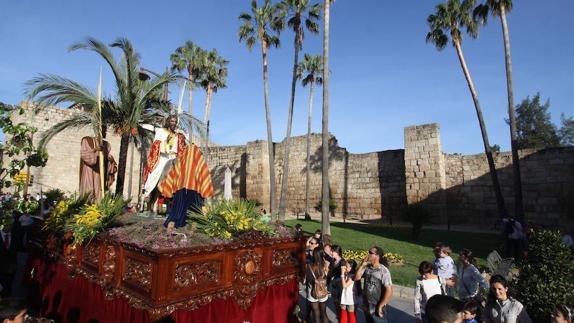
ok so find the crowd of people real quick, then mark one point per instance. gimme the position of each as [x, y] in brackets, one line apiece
[20, 229]
[329, 276]
[444, 292]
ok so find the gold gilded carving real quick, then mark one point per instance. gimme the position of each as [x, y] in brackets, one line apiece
[284, 257]
[246, 272]
[193, 274]
[109, 265]
[92, 254]
[138, 273]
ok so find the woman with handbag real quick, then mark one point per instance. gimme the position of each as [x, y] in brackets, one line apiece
[427, 285]
[316, 283]
[470, 281]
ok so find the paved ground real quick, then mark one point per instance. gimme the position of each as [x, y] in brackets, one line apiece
[400, 309]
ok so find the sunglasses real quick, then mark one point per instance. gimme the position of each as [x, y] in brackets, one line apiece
[372, 253]
[313, 243]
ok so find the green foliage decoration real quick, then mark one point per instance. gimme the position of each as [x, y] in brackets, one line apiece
[227, 219]
[28, 207]
[18, 146]
[545, 276]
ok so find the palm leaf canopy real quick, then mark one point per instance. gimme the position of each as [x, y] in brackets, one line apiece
[263, 24]
[299, 12]
[482, 11]
[449, 18]
[214, 70]
[310, 69]
[189, 58]
[135, 102]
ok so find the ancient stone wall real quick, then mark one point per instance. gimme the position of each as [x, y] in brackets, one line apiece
[425, 168]
[455, 188]
[547, 185]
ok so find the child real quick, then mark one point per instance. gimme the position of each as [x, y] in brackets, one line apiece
[349, 293]
[561, 314]
[444, 266]
[470, 311]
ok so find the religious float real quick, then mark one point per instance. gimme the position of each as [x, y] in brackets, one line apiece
[228, 264]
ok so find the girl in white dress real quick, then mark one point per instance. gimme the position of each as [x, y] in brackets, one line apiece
[349, 293]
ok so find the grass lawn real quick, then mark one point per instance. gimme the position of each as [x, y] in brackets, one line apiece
[398, 240]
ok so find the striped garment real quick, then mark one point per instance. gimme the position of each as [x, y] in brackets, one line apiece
[189, 172]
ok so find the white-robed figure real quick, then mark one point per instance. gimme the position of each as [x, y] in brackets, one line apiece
[168, 144]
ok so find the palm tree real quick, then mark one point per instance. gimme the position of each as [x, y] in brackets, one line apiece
[325, 198]
[499, 8]
[449, 18]
[297, 12]
[188, 57]
[212, 77]
[135, 102]
[309, 69]
[263, 25]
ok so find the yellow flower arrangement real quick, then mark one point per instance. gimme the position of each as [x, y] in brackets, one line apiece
[95, 218]
[90, 218]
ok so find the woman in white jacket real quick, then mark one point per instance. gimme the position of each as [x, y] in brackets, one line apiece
[427, 285]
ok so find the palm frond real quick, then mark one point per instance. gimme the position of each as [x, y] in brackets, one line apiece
[78, 120]
[49, 89]
[100, 48]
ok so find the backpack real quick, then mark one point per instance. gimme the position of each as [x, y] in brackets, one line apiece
[319, 289]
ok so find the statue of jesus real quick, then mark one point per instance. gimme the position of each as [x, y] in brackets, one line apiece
[169, 143]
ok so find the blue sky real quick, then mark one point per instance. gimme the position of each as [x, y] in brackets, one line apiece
[383, 75]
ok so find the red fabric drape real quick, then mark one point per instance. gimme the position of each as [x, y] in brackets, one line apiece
[66, 299]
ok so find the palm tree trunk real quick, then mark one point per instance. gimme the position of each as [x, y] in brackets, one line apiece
[287, 143]
[308, 168]
[207, 111]
[124, 143]
[190, 94]
[130, 175]
[518, 204]
[269, 134]
[487, 150]
[325, 226]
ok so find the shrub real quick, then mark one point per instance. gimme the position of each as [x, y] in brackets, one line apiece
[417, 215]
[54, 195]
[332, 206]
[545, 276]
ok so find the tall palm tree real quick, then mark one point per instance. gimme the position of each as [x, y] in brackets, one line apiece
[188, 57]
[298, 12]
[135, 102]
[213, 76]
[450, 17]
[309, 70]
[499, 8]
[263, 25]
[325, 198]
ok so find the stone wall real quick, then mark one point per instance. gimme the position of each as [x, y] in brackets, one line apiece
[364, 186]
[547, 185]
[455, 188]
[425, 168]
